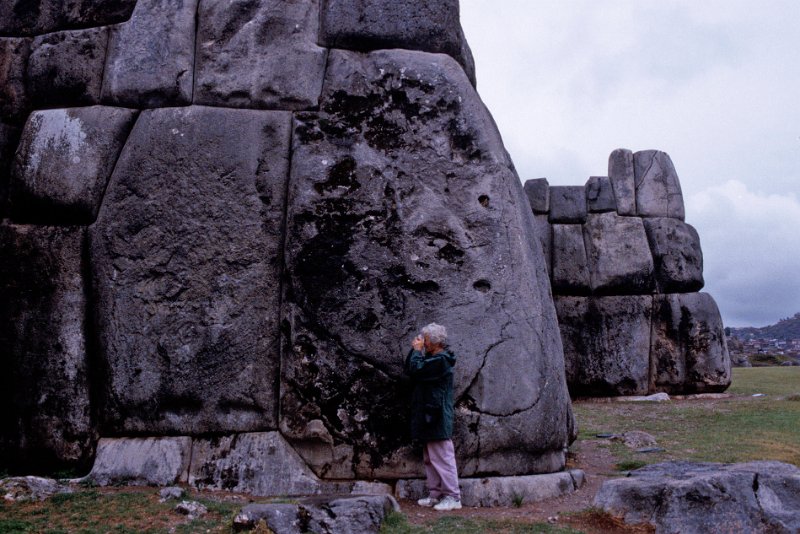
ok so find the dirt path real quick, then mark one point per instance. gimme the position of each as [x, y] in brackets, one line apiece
[598, 464]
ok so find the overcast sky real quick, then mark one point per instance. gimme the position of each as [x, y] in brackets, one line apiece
[715, 84]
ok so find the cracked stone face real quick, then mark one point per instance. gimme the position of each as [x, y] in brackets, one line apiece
[404, 209]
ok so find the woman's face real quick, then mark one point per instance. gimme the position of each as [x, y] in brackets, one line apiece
[429, 347]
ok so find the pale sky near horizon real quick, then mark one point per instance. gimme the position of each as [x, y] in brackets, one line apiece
[715, 84]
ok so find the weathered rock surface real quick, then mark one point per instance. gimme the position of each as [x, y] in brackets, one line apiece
[64, 161]
[9, 138]
[538, 193]
[636, 439]
[403, 209]
[658, 190]
[600, 195]
[677, 256]
[689, 352]
[694, 498]
[432, 26]
[349, 515]
[259, 463]
[29, 488]
[620, 262]
[606, 344]
[259, 54]
[44, 386]
[570, 275]
[185, 272]
[568, 204]
[32, 17]
[502, 491]
[66, 68]
[13, 97]
[621, 175]
[141, 461]
[150, 59]
[544, 232]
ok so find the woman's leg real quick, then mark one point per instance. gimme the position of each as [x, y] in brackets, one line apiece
[442, 458]
[434, 481]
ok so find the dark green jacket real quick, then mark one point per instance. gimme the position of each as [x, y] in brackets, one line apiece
[432, 399]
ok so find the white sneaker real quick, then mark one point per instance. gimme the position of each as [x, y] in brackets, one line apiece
[428, 502]
[447, 504]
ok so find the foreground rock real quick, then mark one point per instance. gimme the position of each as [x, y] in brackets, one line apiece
[689, 498]
[23, 489]
[141, 461]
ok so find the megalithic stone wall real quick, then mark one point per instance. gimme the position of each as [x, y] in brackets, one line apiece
[626, 270]
[231, 217]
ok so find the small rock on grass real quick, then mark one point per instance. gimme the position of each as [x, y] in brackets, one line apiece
[193, 509]
[636, 439]
[22, 489]
[170, 493]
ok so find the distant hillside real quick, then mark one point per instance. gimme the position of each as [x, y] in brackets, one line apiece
[785, 329]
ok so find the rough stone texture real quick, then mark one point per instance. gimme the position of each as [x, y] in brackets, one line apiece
[689, 351]
[259, 463]
[658, 190]
[431, 26]
[694, 498]
[151, 57]
[66, 68]
[141, 461]
[259, 54]
[29, 488]
[64, 161]
[619, 255]
[567, 204]
[621, 175]
[502, 491]
[636, 439]
[13, 97]
[404, 208]
[538, 193]
[185, 272]
[354, 515]
[570, 275]
[32, 17]
[9, 138]
[44, 386]
[600, 195]
[606, 344]
[544, 232]
[677, 256]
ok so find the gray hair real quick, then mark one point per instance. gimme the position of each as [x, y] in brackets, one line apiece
[436, 333]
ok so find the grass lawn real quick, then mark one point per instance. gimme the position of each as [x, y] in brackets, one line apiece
[738, 429]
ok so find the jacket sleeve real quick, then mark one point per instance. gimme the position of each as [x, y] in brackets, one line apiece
[422, 368]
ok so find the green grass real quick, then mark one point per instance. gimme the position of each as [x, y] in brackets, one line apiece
[398, 524]
[739, 429]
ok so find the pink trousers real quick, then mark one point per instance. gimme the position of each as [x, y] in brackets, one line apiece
[440, 469]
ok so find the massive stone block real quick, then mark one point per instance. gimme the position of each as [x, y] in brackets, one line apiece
[142, 461]
[64, 161]
[619, 255]
[538, 193]
[13, 97]
[689, 353]
[570, 275]
[44, 387]
[658, 190]
[606, 344]
[621, 175]
[150, 59]
[259, 54]
[568, 204]
[404, 209]
[600, 195]
[544, 231]
[185, 263]
[66, 68]
[431, 26]
[677, 256]
[32, 17]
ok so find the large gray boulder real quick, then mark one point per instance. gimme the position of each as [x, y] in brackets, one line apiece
[404, 209]
[621, 176]
[141, 461]
[606, 344]
[570, 272]
[44, 386]
[677, 257]
[13, 97]
[150, 59]
[689, 351]
[259, 54]
[568, 204]
[658, 190]
[431, 26]
[186, 272]
[694, 498]
[66, 68]
[32, 17]
[64, 161]
[600, 195]
[538, 193]
[619, 256]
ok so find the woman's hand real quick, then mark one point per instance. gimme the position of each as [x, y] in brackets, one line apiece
[418, 343]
